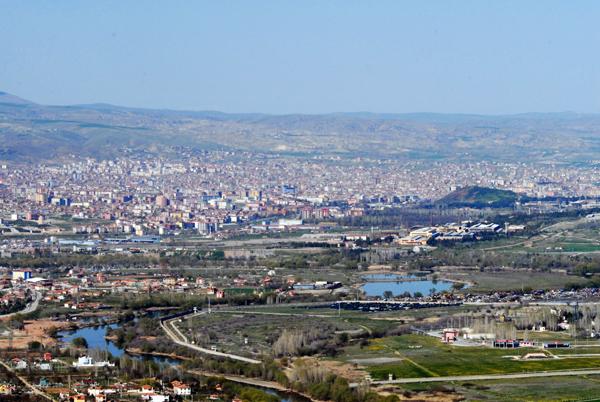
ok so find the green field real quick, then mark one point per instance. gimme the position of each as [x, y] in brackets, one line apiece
[579, 247]
[425, 356]
[512, 280]
[585, 388]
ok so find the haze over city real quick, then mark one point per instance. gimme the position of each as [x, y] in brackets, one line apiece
[278, 201]
[311, 57]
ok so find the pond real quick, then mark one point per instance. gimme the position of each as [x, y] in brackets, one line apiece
[95, 337]
[388, 277]
[399, 287]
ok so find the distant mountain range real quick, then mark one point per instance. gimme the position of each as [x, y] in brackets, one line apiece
[29, 131]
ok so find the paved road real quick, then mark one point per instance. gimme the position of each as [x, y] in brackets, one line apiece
[33, 388]
[250, 381]
[30, 308]
[242, 380]
[556, 373]
[506, 246]
[276, 314]
[176, 336]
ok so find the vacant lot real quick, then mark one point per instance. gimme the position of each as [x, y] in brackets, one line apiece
[511, 280]
[33, 331]
[255, 333]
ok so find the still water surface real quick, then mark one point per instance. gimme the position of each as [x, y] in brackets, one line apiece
[398, 286]
[95, 337]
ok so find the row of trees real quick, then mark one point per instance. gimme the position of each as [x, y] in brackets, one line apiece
[464, 256]
[321, 384]
[308, 341]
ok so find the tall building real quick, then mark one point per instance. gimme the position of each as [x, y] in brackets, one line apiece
[161, 201]
[21, 274]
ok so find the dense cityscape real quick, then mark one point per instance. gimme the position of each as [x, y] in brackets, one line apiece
[100, 256]
[220, 188]
[271, 201]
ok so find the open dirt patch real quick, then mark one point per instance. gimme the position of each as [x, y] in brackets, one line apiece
[351, 372]
[376, 360]
[33, 331]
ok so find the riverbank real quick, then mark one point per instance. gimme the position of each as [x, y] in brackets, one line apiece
[139, 352]
[33, 330]
[272, 385]
[40, 330]
[230, 377]
[254, 382]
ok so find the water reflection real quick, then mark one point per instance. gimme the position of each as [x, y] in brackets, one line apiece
[424, 287]
[95, 337]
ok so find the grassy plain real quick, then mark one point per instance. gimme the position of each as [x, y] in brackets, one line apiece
[426, 356]
[486, 281]
[228, 331]
[584, 388]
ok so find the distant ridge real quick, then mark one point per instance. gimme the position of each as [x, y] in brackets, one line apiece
[411, 116]
[8, 99]
[31, 131]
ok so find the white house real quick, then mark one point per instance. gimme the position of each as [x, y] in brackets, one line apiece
[181, 389]
[155, 397]
[21, 365]
[88, 362]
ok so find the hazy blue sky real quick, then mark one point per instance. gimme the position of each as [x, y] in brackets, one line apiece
[305, 56]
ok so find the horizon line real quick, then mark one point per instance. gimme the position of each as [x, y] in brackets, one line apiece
[363, 112]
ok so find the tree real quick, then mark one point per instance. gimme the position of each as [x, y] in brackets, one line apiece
[388, 294]
[34, 345]
[79, 342]
[342, 338]
[17, 322]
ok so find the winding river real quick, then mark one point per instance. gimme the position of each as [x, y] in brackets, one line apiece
[95, 337]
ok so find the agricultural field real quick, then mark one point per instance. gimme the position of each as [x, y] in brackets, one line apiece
[526, 389]
[426, 356]
[508, 280]
[578, 236]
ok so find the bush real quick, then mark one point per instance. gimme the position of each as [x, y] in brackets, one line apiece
[34, 345]
[79, 342]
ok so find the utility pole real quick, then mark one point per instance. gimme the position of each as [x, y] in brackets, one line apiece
[576, 318]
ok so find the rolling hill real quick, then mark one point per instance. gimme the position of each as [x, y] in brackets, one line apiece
[29, 131]
[475, 196]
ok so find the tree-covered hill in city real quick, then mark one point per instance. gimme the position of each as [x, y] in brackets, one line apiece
[475, 196]
[29, 131]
